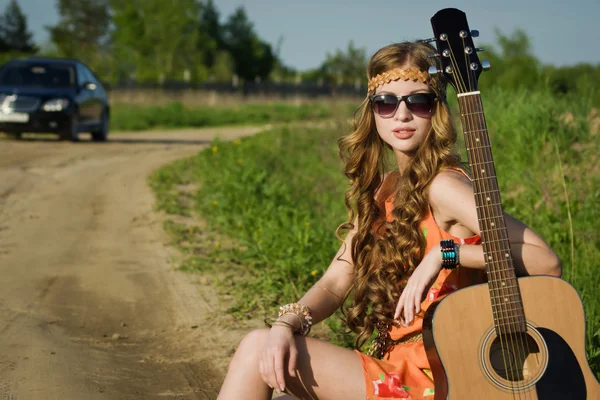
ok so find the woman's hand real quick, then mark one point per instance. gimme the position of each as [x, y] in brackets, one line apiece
[280, 345]
[421, 279]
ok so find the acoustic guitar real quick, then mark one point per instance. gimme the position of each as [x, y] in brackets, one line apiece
[510, 338]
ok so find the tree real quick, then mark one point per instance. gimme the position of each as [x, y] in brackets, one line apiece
[343, 67]
[210, 38]
[156, 38]
[252, 57]
[14, 35]
[514, 65]
[82, 29]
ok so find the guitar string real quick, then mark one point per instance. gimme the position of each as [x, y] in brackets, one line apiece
[482, 211]
[522, 346]
[496, 246]
[487, 214]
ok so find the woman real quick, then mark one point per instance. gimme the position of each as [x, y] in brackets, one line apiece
[413, 236]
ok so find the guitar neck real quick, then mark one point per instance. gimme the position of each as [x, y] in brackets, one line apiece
[504, 291]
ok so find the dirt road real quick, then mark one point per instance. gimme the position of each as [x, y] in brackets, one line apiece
[90, 304]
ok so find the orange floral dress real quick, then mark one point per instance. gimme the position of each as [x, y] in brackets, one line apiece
[404, 371]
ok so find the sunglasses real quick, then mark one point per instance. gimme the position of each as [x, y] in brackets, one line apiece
[386, 105]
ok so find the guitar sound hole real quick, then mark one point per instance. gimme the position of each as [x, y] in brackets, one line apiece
[514, 361]
[514, 356]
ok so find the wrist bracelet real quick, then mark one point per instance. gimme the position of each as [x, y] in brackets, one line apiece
[283, 323]
[450, 254]
[300, 311]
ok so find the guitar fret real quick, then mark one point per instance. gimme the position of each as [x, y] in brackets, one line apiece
[515, 318]
[488, 205]
[497, 255]
[492, 218]
[476, 130]
[489, 191]
[478, 164]
[497, 277]
[504, 251]
[499, 315]
[473, 113]
[505, 287]
[485, 146]
[509, 323]
[495, 270]
[503, 303]
[498, 308]
[503, 228]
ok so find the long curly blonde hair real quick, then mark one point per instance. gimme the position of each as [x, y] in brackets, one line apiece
[383, 262]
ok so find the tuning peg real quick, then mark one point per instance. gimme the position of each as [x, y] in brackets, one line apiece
[427, 40]
[479, 49]
[474, 33]
[433, 55]
[485, 64]
[433, 70]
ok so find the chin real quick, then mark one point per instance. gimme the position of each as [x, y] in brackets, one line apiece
[406, 148]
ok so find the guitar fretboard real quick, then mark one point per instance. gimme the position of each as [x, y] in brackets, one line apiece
[505, 296]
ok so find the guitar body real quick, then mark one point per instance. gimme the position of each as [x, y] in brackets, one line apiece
[548, 362]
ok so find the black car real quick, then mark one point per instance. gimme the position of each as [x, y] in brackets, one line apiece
[52, 95]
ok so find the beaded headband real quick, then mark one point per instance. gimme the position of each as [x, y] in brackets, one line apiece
[394, 74]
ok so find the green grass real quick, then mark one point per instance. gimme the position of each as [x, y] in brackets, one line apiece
[278, 198]
[126, 117]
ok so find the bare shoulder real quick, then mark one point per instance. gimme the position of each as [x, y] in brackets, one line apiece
[446, 183]
[452, 201]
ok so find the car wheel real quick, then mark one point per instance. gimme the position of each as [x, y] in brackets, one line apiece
[101, 134]
[72, 131]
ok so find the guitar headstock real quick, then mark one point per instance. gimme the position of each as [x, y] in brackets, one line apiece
[457, 53]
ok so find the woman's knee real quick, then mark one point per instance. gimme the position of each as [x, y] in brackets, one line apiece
[249, 348]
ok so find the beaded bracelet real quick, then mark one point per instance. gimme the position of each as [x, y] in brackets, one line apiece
[302, 312]
[450, 254]
[283, 323]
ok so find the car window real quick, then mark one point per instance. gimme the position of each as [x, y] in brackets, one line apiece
[38, 75]
[81, 78]
[91, 76]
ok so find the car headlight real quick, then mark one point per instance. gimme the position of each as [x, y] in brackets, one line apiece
[55, 105]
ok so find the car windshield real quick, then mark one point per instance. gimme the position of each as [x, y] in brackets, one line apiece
[38, 75]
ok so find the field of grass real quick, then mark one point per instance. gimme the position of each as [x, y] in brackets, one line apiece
[131, 117]
[277, 198]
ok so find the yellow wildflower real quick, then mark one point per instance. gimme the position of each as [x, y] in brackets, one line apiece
[313, 272]
[214, 149]
[217, 245]
[215, 203]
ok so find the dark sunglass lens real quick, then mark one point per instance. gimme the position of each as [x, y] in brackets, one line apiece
[385, 105]
[420, 103]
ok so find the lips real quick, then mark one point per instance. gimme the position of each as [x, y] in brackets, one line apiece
[403, 133]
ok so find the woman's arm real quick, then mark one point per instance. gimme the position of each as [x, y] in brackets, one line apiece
[451, 196]
[453, 202]
[326, 296]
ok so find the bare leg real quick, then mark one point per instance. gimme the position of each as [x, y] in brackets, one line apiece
[325, 372]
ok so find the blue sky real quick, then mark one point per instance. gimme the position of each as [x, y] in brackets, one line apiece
[561, 32]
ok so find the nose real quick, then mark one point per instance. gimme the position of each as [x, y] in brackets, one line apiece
[402, 113]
